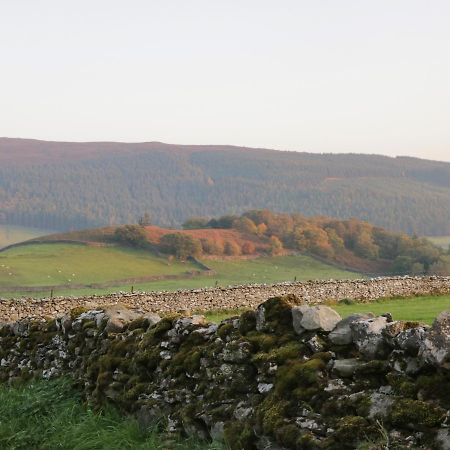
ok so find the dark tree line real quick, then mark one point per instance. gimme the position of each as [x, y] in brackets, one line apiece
[172, 183]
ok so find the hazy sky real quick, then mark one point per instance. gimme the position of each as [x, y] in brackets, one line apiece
[317, 75]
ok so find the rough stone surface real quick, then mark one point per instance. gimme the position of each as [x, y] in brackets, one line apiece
[435, 347]
[307, 318]
[368, 337]
[342, 333]
[248, 296]
[252, 389]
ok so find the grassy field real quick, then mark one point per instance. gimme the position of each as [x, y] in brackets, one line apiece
[59, 264]
[10, 234]
[441, 241]
[421, 309]
[50, 415]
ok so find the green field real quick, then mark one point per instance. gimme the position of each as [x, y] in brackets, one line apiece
[441, 241]
[420, 309]
[10, 234]
[76, 264]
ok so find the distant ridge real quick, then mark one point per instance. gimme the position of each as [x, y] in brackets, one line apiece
[71, 185]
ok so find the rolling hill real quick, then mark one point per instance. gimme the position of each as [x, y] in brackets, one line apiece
[62, 185]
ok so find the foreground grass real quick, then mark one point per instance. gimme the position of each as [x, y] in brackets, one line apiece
[53, 264]
[50, 415]
[421, 309]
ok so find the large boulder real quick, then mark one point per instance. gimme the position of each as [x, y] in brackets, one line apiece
[368, 337]
[117, 317]
[342, 333]
[435, 347]
[314, 318]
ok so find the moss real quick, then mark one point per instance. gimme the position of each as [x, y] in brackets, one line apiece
[261, 341]
[155, 333]
[89, 324]
[185, 361]
[147, 360]
[402, 384]
[406, 413]
[353, 429]
[247, 322]
[435, 387]
[307, 441]
[140, 322]
[278, 314]
[287, 435]
[297, 374]
[281, 354]
[377, 367]
[224, 330]
[76, 312]
[239, 435]
[271, 413]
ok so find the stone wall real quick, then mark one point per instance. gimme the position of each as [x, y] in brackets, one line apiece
[286, 376]
[248, 296]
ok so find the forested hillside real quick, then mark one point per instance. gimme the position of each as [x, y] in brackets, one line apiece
[78, 185]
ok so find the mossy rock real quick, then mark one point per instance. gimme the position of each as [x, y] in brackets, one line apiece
[247, 322]
[278, 313]
[239, 435]
[295, 374]
[407, 413]
[76, 312]
[271, 413]
[351, 430]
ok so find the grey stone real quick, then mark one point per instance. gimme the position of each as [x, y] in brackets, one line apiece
[117, 317]
[342, 333]
[411, 339]
[346, 367]
[152, 318]
[368, 337]
[380, 406]
[443, 438]
[435, 347]
[314, 318]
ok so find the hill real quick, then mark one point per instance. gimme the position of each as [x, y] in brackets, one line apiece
[61, 185]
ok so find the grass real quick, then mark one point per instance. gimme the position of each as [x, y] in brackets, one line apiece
[10, 234]
[50, 415]
[441, 241]
[55, 264]
[420, 309]
[58, 264]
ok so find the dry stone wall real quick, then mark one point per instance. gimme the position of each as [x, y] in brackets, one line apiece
[248, 296]
[286, 376]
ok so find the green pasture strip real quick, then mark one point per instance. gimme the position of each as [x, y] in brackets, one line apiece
[51, 415]
[420, 309]
[228, 272]
[59, 264]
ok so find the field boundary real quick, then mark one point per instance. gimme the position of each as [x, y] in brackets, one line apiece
[232, 297]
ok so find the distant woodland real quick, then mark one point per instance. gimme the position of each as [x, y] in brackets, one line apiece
[348, 243]
[65, 186]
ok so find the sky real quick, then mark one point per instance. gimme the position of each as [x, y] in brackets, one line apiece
[321, 76]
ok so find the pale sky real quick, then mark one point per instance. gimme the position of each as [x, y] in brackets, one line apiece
[317, 75]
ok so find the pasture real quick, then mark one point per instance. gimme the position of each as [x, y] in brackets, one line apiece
[417, 309]
[80, 265]
[10, 234]
[441, 241]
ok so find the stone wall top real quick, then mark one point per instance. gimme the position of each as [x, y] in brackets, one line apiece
[232, 297]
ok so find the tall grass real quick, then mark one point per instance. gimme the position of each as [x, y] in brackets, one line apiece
[51, 415]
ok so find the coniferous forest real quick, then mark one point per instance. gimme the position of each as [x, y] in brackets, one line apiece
[65, 186]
